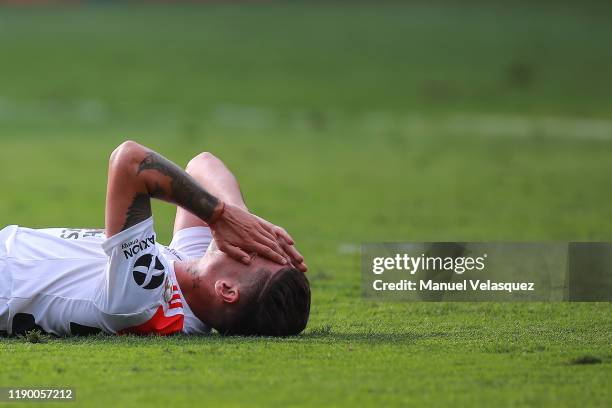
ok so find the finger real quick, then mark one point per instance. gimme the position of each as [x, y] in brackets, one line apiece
[271, 243]
[293, 253]
[284, 235]
[266, 225]
[297, 260]
[268, 233]
[301, 267]
[236, 253]
[269, 253]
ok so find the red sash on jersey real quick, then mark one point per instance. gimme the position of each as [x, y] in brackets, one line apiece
[159, 324]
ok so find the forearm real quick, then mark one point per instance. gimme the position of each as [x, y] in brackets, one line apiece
[167, 181]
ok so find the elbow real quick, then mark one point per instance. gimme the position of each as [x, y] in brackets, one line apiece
[203, 159]
[126, 157]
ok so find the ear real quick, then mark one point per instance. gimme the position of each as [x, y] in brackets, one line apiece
[227, 291]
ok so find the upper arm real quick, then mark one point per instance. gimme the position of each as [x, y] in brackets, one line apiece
[128, 200]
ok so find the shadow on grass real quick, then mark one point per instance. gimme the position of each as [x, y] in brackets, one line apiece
[323, 334]
[326, 333]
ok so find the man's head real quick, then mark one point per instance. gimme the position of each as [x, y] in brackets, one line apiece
[263, 298]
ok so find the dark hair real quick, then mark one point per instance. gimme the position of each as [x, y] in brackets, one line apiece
[276, 305]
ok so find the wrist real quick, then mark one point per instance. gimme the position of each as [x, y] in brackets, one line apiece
[217, 213]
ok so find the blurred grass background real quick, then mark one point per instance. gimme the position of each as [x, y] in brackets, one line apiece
[394, 120]
[345, 122]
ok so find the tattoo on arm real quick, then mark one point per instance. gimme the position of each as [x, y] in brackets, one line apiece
[139, 210]
[184, 190]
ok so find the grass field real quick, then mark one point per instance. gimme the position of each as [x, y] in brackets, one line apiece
[345, 123]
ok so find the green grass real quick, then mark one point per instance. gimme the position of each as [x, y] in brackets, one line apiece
[344, 123]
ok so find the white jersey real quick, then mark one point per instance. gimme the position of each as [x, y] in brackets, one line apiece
[75, 281]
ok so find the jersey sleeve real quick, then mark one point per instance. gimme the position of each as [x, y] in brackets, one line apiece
[136, 278]
[192, 242]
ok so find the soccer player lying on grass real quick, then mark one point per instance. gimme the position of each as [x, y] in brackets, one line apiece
[225, 268]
